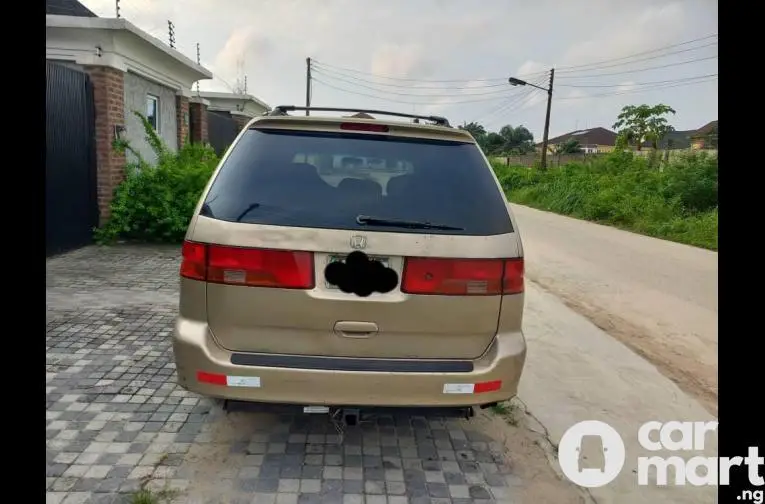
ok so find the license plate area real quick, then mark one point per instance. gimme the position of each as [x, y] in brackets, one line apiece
[341, 258]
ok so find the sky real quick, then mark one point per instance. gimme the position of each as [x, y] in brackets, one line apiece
[453, 57]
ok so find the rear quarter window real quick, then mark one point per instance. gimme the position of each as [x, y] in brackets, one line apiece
[326, 180]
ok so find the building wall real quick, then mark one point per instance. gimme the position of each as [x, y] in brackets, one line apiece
[136, 90]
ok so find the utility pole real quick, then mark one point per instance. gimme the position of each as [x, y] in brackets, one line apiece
[117, 5]
[245, 84]
[547, 119]
[171, 31]
[307, 85]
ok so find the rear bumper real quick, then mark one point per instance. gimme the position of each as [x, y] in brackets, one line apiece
[195, 350]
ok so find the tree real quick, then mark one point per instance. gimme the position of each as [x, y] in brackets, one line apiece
[494, 144]
[571, 146]
[517, 140]
[475, 129]
[639, 123]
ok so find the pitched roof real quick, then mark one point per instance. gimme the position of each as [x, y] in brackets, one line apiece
[707, 129]
[362, 115]
[67, 8]
[592, 136]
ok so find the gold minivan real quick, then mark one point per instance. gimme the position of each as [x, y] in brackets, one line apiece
[349, 262]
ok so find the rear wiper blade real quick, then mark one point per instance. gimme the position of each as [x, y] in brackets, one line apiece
[247, 210]
[378, 221]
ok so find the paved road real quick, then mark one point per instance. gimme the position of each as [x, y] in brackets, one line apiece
[117, 421]
[657, 297]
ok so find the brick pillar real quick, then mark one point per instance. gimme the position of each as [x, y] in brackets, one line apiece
[198, 117]
[182, 118]
[109, 98]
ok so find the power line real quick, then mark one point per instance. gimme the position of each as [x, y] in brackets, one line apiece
[509, 106]
[679, 63]
[570, 67]
[338, 74]
[636, 83]
[410, 102]
[407, 79]
[560, 70]
[513, 103]
[644, 89]
[640, 59]
[495, 92]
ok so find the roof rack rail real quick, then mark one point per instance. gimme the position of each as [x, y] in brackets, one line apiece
[282, 110]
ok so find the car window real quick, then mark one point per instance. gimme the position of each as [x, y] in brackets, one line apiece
[325, 180]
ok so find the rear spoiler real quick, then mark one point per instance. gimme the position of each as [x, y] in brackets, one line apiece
[361, 126]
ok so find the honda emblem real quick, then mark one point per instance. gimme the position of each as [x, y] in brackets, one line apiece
[358, 242]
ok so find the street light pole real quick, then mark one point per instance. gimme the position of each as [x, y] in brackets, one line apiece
[549, 90]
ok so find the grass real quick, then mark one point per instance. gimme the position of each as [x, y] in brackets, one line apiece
[677, 202]
[507, 410]
[146, 496]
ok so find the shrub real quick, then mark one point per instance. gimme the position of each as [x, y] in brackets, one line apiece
[677, 202]
[155, 202]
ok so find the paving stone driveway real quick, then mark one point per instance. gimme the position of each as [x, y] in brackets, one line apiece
[117, 421]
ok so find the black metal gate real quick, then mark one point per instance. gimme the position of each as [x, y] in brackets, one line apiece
[221, 130]
[71, 201]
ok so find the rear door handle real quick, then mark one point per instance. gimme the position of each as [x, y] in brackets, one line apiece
[350, 329]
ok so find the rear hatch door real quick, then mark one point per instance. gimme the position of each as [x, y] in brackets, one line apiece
[286, 204]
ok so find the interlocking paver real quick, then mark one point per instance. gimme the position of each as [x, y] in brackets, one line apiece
[117, 421]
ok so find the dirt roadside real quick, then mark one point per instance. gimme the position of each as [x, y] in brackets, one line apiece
[692, 376]
[656, 297]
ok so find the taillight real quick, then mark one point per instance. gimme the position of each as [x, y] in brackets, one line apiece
[285, 269]
[513, 276]
[194, 261]
[378, 128]
[462, 277]
[260, 267]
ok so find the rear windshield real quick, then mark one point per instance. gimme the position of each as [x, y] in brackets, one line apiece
[327, 180]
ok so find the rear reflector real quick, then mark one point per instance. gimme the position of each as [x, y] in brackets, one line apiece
[378, 128]
[462, 277]
[228, 381]
[472, 388]
[285, 269]
[211, 378]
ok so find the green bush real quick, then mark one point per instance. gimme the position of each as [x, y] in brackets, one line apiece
[677, 201]
[155, 202]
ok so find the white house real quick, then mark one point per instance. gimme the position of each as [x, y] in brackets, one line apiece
[129, 70]
[235, 103]
[141, 73]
